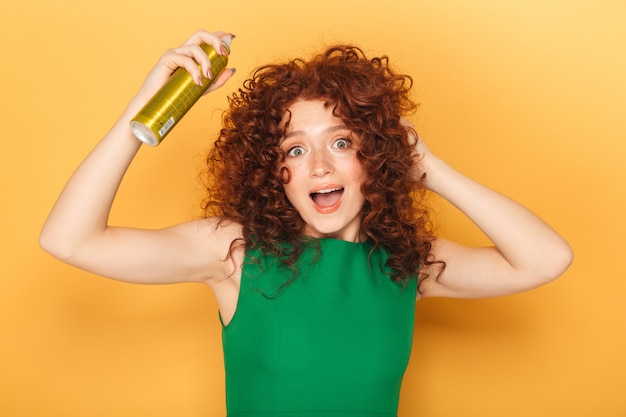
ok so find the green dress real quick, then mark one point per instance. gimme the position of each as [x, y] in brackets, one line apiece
[335, 342]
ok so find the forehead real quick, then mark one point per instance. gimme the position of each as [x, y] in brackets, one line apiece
[309, 116]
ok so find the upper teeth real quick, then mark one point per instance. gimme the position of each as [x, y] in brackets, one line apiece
[328, 191]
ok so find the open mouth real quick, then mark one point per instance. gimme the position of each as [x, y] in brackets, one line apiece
[327, 198]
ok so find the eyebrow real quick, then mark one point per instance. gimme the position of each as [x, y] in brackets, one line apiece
[331, 129]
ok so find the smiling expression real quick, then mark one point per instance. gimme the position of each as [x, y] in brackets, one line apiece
[325, 175]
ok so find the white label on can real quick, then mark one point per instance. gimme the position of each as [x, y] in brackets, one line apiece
[166, 127]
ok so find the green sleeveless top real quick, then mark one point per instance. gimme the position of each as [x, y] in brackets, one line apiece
[334, 342]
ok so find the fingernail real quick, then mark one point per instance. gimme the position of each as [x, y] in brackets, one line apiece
[233, 70]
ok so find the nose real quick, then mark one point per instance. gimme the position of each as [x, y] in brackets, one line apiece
[321, 164]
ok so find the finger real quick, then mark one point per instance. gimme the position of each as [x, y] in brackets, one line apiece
[184, 57]
[412, 135]
[211, 38]
[221, 79]
[191, 47]
[203, 36]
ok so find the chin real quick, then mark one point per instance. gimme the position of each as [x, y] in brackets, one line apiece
[334, 233]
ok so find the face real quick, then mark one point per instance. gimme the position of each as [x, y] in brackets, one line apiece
[325, 176]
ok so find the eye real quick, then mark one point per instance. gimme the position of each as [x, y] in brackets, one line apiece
[341, 143]
[296, 151]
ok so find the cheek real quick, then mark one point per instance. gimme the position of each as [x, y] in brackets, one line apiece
[357, 172]
[358, 177]
[292, 195]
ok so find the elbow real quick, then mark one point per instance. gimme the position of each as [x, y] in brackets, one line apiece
[55, 245]
[49, 244]
[559, 261]
[563, 259]
[567, 259]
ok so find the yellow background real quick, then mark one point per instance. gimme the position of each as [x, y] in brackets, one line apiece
[528, 97]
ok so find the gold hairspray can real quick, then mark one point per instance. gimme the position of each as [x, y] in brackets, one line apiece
[168, 106]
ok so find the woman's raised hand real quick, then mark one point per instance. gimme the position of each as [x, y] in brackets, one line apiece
[425, 160]
[188, 56]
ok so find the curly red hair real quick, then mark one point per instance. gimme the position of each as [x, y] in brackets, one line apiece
[245, 185]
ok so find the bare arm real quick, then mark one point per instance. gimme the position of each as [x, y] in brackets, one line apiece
[77, 229]
[527, 252]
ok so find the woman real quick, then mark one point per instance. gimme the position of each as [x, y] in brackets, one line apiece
[316, 245]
